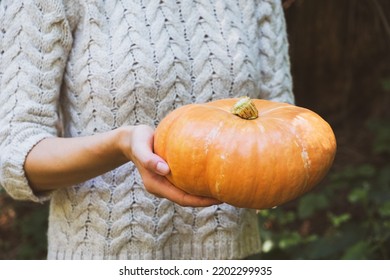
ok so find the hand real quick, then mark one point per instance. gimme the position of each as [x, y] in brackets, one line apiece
[153, 170]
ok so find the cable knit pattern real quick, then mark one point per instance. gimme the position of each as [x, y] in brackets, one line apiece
[103, 64]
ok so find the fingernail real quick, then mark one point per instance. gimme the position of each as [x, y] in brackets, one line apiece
[162, 168]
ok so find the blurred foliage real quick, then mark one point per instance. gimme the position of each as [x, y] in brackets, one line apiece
[347, 217]
[23, 228]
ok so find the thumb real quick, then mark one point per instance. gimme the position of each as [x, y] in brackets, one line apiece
[142, 151]
[150, 161]
[162, 168]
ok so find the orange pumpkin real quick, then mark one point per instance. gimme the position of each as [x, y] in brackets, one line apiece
[248, 153]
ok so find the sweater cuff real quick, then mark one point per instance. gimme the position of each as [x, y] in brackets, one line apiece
[13, 177]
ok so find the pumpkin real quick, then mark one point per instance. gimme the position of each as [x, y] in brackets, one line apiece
[248, 153]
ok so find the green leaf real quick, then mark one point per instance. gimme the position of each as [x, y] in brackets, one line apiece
[290, 240]
[359, 194]
[384, 209]
[310, 203]
[288, 217]
[337, 220]
[357, 251]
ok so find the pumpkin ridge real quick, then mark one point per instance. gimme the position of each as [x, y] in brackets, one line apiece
[304, 155]
[211, 138]
[265, 112]
[258, 190]
[217, 108]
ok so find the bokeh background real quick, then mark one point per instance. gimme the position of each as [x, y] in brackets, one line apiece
[340, 57]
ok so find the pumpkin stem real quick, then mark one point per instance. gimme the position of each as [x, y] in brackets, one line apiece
[245, 109]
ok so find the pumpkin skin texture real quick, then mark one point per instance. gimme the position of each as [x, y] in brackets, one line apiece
[250, 163]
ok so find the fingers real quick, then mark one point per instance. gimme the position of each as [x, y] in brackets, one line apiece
[185, 199]
[161, 187]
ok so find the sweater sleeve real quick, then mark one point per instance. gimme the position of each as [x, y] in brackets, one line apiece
[276, 80]
[35, 39]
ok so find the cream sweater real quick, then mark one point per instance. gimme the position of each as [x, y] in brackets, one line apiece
[104, 64]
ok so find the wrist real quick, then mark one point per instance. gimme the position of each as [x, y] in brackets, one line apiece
[123, 141]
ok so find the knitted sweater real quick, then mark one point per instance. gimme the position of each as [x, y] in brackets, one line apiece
[96, 65]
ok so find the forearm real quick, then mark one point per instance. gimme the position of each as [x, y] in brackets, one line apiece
[60, 162]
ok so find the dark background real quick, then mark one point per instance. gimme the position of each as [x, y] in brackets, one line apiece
[340, 57]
